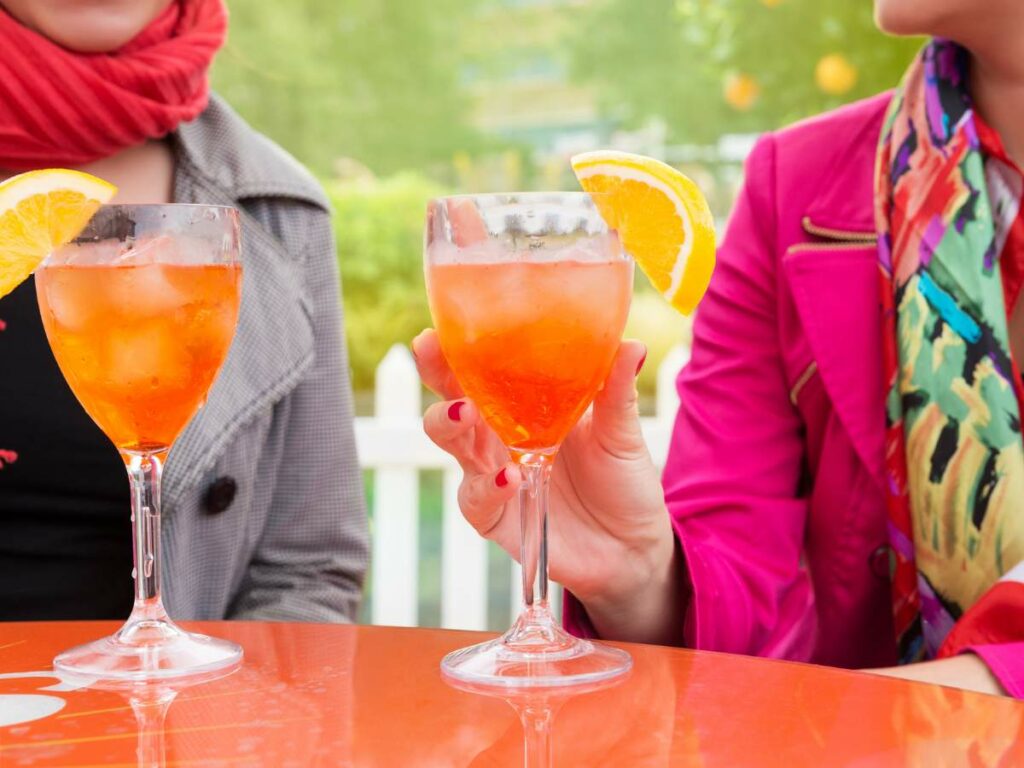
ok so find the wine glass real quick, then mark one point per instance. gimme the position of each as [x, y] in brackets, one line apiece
[529, 294]
[140, 310]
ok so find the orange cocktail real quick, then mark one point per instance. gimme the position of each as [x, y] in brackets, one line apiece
[140, 344]
[531, 342]
[140, 309]
[529, 293]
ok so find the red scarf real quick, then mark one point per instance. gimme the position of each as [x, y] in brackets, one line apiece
[59, 107]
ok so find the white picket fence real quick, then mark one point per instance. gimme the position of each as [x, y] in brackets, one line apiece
[392, 444]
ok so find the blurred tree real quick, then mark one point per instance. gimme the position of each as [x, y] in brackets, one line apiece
[379, 226]
[371, 80]
[684, 60]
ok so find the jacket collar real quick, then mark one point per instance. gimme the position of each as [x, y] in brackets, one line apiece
[220, 146]
[843, 146]
[833, 276]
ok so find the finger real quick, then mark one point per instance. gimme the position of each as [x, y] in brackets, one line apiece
[616, 414]
[483, 498]
[433, 367]
[468, 227]
[452, 425]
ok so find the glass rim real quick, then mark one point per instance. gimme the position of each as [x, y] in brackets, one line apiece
[524, 197]
[132, 224]
[172, 206]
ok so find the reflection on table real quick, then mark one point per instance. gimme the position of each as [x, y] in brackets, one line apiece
[333, 695]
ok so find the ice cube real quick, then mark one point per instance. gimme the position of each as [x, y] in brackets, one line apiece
[158, 249]
[146, 356]
[145, 290]
[66, 301]
[86, 254]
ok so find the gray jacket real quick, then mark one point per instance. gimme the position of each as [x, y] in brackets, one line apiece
[263, 507]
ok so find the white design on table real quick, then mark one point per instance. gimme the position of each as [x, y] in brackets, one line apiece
[19, 708]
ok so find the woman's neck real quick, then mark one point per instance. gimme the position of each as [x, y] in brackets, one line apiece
[142, 174]
[997, 90]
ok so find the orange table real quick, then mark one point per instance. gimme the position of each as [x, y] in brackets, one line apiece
[325, 695]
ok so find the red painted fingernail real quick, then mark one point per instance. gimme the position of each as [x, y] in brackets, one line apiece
[501, 480]
[453, 410]
[640, 365]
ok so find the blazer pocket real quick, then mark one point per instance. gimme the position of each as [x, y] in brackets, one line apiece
[801, 381]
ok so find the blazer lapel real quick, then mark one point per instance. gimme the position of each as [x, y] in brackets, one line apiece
[272, 349]
[836, 290]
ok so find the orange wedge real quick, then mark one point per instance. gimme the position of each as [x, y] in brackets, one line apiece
[40, 211]
[661, 216]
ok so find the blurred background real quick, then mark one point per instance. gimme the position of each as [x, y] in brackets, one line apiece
[391, 102]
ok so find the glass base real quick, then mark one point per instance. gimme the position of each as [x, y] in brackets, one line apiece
[535, 655]
[150, 649]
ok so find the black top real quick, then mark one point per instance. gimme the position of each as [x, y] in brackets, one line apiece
[65, 517]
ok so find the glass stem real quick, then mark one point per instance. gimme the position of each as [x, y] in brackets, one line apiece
[150, 716]
[535, 631]
[536, 720]
[144, 471]
[533, 514]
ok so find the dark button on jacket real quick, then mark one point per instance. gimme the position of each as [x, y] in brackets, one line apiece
[219, 495]
[881, 562]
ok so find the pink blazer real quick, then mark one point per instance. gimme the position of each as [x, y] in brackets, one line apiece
[775, 475]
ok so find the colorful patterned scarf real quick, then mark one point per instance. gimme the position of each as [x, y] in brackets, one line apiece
[954, 454]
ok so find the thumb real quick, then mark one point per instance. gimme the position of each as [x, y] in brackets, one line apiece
[616, 416]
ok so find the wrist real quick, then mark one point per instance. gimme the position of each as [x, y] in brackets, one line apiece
[967, 671]
[647, 605]
[629, 571]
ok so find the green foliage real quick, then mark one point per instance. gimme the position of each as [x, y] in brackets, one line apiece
[660, 328]
[379, 226]
[371, 80]
[679, 53]
[393, 85]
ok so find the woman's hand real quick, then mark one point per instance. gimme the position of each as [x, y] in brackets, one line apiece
[609, 536]
[966, 671]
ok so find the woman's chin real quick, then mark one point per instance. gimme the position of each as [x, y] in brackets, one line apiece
[92, 27]
[894, 20]
[920, 17]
